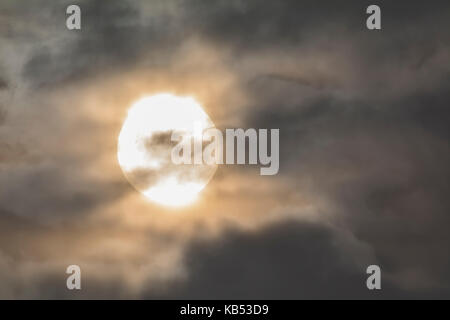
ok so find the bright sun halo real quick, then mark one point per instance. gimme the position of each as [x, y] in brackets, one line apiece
[144, 149]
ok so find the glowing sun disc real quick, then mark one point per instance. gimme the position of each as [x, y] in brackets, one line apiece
[144, 149]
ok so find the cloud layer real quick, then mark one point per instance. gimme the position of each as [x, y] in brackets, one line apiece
[363, 118]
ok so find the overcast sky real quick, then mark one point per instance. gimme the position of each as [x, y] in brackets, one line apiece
[364, 149]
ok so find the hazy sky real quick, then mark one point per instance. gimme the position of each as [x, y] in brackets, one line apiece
[364, 149]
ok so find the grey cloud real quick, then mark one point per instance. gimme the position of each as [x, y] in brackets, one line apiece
[3, 84]
[382, 166]
[363, 120]
[53, 192]
[290, 260]
[318, 82]
[114, 36]
[372, 143]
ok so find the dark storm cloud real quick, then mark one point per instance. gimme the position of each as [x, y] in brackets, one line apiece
[116, 36]
[289, 260]
[413, 44]
[363, 118]
[249, 24]
[113, 37]
[376, 147]
[101, 44]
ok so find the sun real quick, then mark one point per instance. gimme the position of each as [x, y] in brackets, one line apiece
[144, 148]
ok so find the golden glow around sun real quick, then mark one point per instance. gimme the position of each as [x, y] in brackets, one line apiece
[144, 149]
